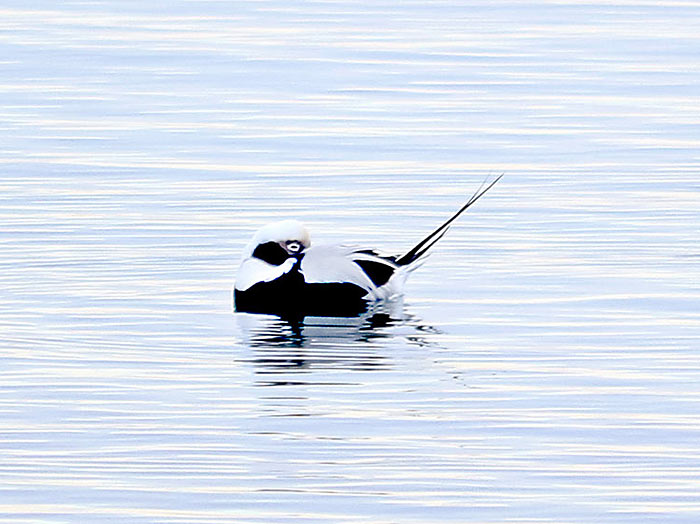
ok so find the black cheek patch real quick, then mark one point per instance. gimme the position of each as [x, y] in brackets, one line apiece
[271, 252]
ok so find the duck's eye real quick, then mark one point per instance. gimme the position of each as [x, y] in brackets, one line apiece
[293, 246]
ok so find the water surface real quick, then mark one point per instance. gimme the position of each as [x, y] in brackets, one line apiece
[544, 366]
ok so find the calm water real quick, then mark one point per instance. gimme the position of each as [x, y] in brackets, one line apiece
[545, 365]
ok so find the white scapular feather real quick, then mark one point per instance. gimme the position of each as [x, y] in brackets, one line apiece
[330, 263]
[335, 263]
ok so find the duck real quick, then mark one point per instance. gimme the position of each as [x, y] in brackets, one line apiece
[283, 274]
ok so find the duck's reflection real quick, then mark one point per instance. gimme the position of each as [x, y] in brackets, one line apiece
[314, 343]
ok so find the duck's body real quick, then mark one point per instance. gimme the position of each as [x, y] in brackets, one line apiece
[320, 280]
[282, 274]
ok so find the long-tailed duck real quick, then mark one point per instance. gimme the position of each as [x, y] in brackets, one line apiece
[281, 273]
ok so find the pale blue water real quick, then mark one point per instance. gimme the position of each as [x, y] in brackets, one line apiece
[546, 367]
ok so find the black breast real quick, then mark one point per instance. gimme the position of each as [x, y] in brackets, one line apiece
[289, 296]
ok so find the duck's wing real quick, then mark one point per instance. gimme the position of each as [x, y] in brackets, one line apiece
[378, 268]
[345, 264]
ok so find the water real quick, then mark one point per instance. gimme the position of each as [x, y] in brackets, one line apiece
[544, 367]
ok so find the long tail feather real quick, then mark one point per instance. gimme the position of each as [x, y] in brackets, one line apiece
[424, 245]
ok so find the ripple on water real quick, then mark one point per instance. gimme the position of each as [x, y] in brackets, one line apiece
[543, 367]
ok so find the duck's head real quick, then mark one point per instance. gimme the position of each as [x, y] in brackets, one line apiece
[278, 241]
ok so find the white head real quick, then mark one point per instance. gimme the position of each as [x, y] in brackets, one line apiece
[290, 235]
